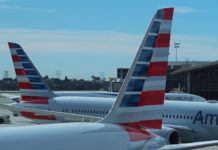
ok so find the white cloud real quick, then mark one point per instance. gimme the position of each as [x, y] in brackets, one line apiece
[25, 8]
[192, 47]
[71, 41]
[184, 10]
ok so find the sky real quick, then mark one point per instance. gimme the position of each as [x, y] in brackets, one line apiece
[81, 38]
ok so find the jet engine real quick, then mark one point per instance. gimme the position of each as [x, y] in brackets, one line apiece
[169, 134]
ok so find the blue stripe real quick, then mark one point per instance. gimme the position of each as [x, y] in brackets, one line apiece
[155, 27]
[160, 14]
[16, 45]
[31, 72]
[34, 79]
[130, 100]
[140, 70]
[23, 59]
[38, 86]
[135, 85]
[150, 41]
[27, 66]
[20, 52]
[146, 55]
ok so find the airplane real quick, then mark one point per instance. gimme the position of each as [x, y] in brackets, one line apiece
[168, 96]
[84, 108]
[138, 107]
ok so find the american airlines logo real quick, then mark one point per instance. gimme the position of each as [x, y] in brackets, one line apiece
[207, 118]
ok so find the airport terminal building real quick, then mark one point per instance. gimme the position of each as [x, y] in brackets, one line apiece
[196, 77]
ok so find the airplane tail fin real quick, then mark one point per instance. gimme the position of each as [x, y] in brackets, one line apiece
[141, 96]
[32, 87]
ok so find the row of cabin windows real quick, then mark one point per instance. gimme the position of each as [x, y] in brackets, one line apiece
[87, 111]
[177, 116]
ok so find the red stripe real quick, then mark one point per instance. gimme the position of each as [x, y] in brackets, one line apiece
[25, 85]
[32, 115]
[157, 69]
[11, 45]
[152, 98]
[138, 135]
[26, 98]
[35, 99]
[163, 40]
[155, 124]
[168, 14]
[20, 72]
[35, 102]
[15, 58]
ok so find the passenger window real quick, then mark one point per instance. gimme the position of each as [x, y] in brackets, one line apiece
[96, 112]
[166, 116]
[184, 117]
[163, 116]
[187, 117]
[90, 111]
[87, 111]
[173, 116]
[169, 116]
[177, 116]
[72, 110]
[191, 117]
[180, 116]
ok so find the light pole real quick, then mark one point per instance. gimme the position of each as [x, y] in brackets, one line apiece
[176, 45]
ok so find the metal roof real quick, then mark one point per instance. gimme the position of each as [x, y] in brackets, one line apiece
[191, 68]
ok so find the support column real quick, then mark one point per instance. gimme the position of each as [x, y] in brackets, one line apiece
[188, 82]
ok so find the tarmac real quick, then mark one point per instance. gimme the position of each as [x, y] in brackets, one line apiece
[21, 121]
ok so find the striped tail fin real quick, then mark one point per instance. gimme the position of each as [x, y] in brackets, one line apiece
[141, 97]
[32, 88]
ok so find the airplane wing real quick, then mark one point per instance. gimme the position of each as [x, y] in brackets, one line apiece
[187, 146]
[66, 116]
[12, 97]
[180, 128]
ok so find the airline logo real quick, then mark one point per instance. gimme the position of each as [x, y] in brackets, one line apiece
[32, 88]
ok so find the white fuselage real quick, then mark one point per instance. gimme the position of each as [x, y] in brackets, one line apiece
[201, 116]
[78, 136]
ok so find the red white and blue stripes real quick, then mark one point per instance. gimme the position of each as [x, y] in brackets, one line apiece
[32, 88]
[141, 97]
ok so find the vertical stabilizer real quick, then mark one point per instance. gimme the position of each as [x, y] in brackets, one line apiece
[32, 88]
[141, 96]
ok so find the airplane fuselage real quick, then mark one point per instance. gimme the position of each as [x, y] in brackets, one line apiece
[200, 116]
[79, 136]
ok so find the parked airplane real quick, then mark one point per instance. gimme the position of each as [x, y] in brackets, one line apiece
[138, 106]
[168, 96]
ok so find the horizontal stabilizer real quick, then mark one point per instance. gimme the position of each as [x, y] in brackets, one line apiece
[66, 116]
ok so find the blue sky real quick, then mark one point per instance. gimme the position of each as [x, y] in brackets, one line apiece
[84, 38]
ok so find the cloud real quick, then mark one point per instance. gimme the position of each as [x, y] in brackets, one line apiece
[107, 42]
[184, 10]
[71, 41]
[26, 8]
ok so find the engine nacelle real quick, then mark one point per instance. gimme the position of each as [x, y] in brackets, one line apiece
[171, 135]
